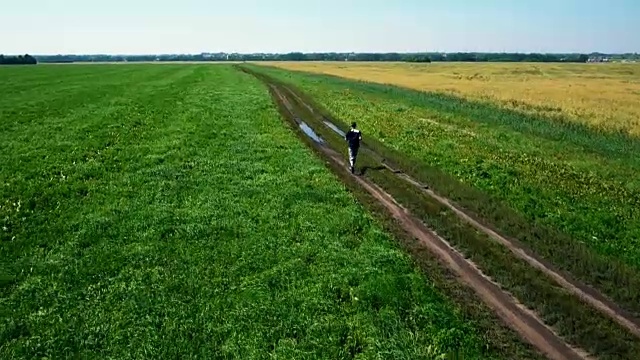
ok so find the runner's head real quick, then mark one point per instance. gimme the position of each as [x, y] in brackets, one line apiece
[353, 125]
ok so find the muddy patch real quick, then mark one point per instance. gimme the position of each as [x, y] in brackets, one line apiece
[333, 127]
[309, 132]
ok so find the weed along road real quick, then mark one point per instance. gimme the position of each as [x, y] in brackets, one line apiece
[383, 177]
[586, 293]
[525, 322]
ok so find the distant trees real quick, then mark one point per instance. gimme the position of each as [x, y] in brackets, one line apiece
[583, 58]
[18, 60]
[425, 57]
[508, 57]
[419, 59]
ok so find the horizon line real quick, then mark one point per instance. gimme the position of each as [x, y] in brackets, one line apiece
[323, 52]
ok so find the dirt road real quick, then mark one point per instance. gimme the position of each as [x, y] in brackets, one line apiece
[526, 323]
[586, 293]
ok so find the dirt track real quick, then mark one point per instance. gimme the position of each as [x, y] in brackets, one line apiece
[586, 293]
[526, 323]
[582, 291]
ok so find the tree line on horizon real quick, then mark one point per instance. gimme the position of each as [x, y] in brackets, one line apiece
[299, 56]
[18, 60]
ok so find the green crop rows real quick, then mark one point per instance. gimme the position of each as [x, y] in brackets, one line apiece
[165, 211]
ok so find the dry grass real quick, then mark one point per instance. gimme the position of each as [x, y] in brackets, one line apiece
[601, 95]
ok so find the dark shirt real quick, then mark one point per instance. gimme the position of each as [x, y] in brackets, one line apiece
[353, 137]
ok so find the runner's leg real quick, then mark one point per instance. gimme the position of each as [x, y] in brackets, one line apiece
[355, 156]
[352, 157]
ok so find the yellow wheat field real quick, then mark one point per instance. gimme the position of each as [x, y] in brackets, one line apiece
[601, 95]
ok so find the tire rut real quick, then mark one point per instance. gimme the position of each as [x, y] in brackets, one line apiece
[524, 321]
[586, 293]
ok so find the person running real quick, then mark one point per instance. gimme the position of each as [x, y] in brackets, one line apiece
[353, 138]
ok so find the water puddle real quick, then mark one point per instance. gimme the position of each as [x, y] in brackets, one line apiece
[310, 133]
[333, 127]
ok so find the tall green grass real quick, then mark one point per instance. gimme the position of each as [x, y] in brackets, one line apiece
[165, 211]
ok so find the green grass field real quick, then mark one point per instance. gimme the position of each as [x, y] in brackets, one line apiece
[570, 192]
[164, 211]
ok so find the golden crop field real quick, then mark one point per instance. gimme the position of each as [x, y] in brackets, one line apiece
[601, 95]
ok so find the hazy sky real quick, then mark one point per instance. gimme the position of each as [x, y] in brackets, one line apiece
[194, 26]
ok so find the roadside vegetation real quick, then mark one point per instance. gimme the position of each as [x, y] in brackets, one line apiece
[561, 188]
[575, 321]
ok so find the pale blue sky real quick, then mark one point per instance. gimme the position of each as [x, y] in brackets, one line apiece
[194, 26]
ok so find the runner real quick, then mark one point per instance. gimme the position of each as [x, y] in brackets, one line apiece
[353, 138]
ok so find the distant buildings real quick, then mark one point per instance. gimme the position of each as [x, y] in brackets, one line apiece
[598, 59]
